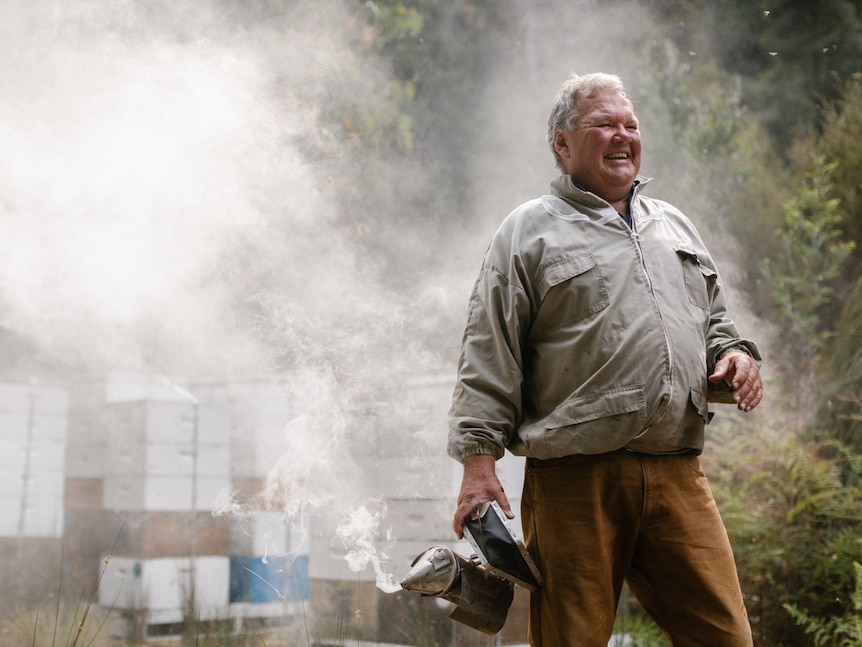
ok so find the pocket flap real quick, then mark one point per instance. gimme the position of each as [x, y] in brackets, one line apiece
[624, 399]
[564, 269]
[686, 252]
[700, 403]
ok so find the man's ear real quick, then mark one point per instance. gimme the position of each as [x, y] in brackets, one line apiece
[561, 145]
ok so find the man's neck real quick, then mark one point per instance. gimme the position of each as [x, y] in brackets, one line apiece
[622, 206]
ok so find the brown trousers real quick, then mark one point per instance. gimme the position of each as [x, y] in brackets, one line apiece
[592, 522]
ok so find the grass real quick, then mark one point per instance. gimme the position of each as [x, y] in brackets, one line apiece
[62, 619]
[67, 626]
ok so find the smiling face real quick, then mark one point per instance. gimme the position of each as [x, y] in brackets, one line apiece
[603, 152]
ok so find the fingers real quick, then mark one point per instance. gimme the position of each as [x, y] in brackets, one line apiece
[740, 371]
[462, 514]
[466, 511]
[749, 393]
[746, 382]
[720, 372]
[751, 400]
[478, 486]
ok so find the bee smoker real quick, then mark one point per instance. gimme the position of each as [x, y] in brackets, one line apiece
[481, 587]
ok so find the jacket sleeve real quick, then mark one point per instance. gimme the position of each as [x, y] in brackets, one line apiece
[487, 402]
[722, 334]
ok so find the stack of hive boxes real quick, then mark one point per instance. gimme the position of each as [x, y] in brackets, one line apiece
[33, 423]
[269, 552]
[166, 461]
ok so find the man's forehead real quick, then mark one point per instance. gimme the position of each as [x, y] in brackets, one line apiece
[624, 115]
[607, 107]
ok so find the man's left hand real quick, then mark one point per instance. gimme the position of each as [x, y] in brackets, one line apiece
[740, 371]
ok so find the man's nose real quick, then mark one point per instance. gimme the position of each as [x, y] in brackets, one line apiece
[621, 133]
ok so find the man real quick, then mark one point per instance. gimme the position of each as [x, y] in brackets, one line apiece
[595, 327]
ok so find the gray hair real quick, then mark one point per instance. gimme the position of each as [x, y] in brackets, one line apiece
[567, 107]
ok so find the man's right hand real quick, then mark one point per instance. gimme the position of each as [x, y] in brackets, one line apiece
[479, 484]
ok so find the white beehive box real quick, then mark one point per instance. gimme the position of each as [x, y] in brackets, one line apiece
[259, 412]
[170, 456]
[160, 586]
[140, 493]
[33, 429]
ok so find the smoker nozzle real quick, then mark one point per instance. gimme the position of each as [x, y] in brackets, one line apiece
[433, 572]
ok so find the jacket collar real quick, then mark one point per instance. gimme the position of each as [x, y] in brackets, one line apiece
[564, 187]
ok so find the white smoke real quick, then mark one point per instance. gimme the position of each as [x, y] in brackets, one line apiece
[360, 535]
[151, 180]
[168, 202]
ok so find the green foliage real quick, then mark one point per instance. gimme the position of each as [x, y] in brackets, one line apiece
[813, 254]
[842, 375]
[709, 110]
[423, 51]
[839, 144]
[392, 22]
[384, 125]
[791, 56]
[839, 631]
[373, 104]
[704, 103]
[793, 520]
[633, 627]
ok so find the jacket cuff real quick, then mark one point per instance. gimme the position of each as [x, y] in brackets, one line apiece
[742, 345]
[459, 454]
[740, 349]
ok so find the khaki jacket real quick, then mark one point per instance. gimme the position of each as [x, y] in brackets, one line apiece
[584, 336]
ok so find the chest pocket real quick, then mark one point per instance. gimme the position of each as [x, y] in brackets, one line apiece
[571, 289]
[699, 279]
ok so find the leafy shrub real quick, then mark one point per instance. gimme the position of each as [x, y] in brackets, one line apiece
[793, 521]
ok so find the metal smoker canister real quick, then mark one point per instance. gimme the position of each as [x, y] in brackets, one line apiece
[482, 588]
[481, 599]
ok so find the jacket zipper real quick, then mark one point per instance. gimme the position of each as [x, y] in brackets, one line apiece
[636, 239]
